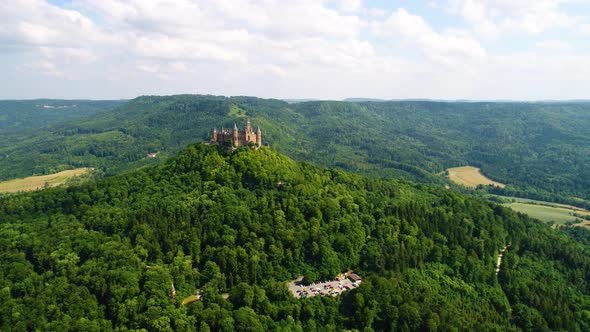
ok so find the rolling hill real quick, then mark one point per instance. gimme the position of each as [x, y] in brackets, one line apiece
[18, 115]
[539, 150]
[104, 255]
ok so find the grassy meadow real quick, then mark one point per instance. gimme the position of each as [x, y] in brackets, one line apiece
[470, 177]
[546, 211]
[41, 181]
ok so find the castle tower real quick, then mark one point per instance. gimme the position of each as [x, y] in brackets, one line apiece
[214, 136]
[248, 127]
[258, 136]
[236, 136]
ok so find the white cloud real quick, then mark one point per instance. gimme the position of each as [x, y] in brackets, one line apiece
[164, 47]
[313, 20]
[492, 17]
[477, 15]
[44, 67]
[51, 39]
[449, 46]
[163, 68]
[555, 45]
[538, 75]
[177, 66]
[36, 23]
[238, 31]
[298, 48]
[537, 22]
[350, 5]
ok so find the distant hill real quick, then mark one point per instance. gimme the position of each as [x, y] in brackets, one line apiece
[39, 113]
[362, 99]
[122, 252]
[539, 150]
[294, 101]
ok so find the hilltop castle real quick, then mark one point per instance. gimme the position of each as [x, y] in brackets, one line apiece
[237, 138]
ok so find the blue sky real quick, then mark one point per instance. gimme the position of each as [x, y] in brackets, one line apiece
[327, 49]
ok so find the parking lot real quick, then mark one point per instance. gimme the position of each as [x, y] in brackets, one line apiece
[325, 288]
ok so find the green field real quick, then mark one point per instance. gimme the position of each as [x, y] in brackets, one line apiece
[545, 211]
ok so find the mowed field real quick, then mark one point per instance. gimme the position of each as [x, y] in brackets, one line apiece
[546, 211]
[470, 177]
[37, 182]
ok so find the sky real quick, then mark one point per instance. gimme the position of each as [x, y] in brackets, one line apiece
[321, 49]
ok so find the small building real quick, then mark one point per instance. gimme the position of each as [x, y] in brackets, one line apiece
[354, 277]
[152, 155]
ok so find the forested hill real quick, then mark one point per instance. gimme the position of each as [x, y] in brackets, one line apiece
[539, 149]
[34, 114]
[24, 123]
[103, 255]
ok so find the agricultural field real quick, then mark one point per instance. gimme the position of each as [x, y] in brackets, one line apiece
[470, 177]
[41, 181]
[537, 202]
[546, 211]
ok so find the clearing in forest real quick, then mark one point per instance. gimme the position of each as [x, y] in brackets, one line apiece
[236, 111]
[470, 177]
[41, 181]
[557, 213]
[342, 283]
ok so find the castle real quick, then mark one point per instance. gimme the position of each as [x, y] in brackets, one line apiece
[237, 138]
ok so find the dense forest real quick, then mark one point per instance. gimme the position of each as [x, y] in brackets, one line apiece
[23, 122]
[103, 255]
[539, 149]
[39, 113]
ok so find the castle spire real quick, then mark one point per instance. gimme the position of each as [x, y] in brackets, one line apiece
[248, 126]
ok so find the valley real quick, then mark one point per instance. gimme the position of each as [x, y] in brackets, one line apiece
[297, 166]
[413, 140]
[342, 186]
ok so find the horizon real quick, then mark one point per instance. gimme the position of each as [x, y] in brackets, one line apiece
[303, 100]
[451, 50]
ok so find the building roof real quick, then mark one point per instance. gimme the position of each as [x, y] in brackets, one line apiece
[354, 276]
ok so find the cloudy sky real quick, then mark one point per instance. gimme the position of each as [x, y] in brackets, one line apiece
[326, 49]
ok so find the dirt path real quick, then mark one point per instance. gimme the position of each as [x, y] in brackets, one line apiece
[499, 264]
